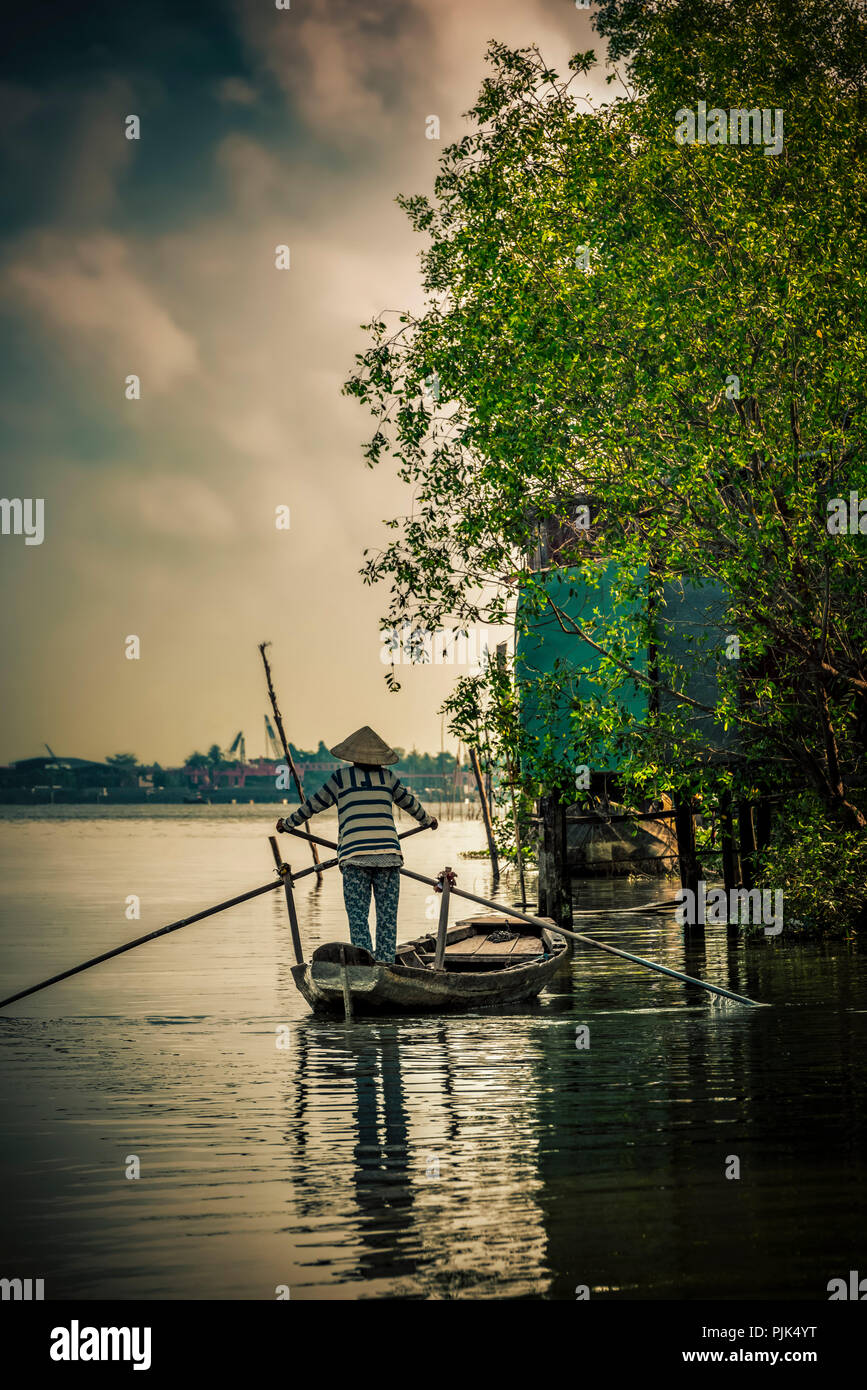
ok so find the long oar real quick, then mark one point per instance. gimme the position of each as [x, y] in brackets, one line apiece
[140, 940]
[590, 941]
[578, 936]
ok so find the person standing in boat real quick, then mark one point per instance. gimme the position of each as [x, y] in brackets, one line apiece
[368, 850]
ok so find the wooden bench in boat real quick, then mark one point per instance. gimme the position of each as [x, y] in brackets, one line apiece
[468, 946]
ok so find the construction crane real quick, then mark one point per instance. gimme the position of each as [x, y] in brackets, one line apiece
[272, 747]
[241, 746]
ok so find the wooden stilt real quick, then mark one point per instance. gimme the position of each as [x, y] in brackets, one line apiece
[684, 824]
[747, 837]
[519, 849]
[730, 872]
[486, 812]
[555, 883]
[729, 865]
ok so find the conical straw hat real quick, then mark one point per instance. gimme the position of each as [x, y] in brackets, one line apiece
[364, 746]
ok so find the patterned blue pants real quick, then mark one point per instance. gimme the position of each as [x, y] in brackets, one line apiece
[357, 884]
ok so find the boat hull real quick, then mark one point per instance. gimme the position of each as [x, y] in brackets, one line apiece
[379, 988]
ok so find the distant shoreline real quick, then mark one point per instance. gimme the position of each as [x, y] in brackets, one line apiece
[169, 796]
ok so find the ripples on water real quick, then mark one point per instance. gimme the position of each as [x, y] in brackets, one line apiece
[472, 1156]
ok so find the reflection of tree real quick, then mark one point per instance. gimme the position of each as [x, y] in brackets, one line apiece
[126, 766]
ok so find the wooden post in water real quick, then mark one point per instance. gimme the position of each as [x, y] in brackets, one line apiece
[442, 926]
[684, 824]
[729, 857]
[727, 839]
[748, 843]
[544, 852]
[555, 882]
[486, 813]
[519, 849]
[286, 874]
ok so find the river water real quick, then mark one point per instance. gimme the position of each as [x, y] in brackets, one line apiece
[471, 1156]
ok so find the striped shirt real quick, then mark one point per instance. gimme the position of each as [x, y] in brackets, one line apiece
[364, 797]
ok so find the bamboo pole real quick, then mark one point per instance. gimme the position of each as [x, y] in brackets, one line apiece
[140, 941]
[286, 874]
[519, 849]
[286, 879]
[290, 761]
[486, 813]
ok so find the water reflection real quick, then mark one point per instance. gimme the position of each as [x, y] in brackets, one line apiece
[468, 1156]
[441, 1163]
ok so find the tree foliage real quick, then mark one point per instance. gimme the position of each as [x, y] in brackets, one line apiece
[675, 333]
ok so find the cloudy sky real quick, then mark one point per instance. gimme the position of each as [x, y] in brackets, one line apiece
[155, 257]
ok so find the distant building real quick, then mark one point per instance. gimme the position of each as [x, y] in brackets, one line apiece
[67, 773]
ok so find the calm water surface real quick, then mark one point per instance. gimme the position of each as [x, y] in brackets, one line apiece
[477, 1156]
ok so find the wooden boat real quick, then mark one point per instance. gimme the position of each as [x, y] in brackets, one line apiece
[478, 972]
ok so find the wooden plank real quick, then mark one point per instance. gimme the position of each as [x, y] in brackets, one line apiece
[468, 947]
[489, 964]
[533, 944]
[521, 945]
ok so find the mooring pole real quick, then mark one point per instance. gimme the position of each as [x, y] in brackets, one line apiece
[555, 883]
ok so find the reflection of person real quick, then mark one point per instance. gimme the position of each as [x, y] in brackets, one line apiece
[368, 849]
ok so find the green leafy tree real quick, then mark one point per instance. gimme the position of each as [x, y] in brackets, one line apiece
[673, 335]
[126, 767]
[216, 761]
